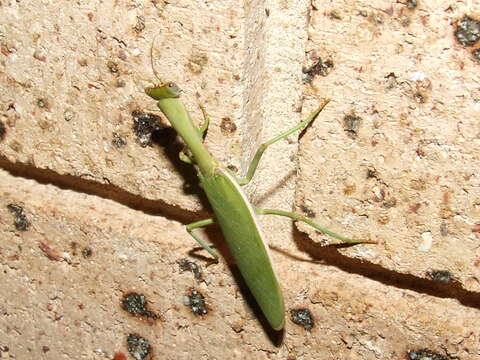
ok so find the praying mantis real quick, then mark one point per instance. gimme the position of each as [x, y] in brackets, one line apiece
[233, 212]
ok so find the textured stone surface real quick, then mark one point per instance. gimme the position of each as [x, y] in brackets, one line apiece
[71, 83]
[65, 279]
[395, 157]
[97, 218]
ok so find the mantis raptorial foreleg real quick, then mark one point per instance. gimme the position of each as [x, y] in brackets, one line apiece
[306, 220]
[206, 121]
[182, 155]
[199, 224]
[258, 155]
[185, 154]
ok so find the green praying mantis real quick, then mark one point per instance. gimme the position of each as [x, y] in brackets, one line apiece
[233, 212]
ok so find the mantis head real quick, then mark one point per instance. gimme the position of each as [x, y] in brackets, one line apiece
[167, 91]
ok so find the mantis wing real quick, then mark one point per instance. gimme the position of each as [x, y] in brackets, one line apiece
[236, 218]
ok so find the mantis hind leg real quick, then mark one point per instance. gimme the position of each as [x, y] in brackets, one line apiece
[306, 220]
[258, 155]
[199, 224]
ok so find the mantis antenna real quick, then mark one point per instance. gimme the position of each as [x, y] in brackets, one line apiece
[155, 72]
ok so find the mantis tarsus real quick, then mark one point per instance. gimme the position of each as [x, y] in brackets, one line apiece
[232, 210]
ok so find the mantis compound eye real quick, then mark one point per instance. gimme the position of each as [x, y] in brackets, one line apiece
[174, 87]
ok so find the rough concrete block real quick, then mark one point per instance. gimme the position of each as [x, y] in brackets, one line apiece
[95, 261]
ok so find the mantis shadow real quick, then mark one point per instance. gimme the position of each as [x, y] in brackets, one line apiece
[276, 337]
[215, 236]
[276, 187]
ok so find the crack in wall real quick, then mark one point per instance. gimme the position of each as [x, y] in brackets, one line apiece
[105, 191]
[328, 255]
